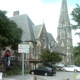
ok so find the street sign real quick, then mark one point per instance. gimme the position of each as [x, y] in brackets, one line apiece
[20, 48]
[23, 48]
[26, 48]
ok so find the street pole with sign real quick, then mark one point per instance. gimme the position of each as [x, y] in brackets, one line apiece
[23, 48]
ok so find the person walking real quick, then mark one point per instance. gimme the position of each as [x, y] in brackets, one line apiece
[7, 58]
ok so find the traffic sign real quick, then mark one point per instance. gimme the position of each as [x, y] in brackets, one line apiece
[23, 48]
[26, 48]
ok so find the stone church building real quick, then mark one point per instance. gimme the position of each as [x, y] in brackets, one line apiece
[38, 39]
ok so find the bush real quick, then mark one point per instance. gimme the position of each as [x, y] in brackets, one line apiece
[15, 70]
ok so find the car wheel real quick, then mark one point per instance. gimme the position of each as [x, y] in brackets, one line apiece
[32, 73]
[75, 70]
[46, 74]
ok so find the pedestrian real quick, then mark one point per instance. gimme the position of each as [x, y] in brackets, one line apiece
[5, 61]
[8, 57]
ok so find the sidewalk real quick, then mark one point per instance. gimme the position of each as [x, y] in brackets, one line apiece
[19, 77]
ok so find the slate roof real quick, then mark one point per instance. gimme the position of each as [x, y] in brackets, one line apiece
[24, 22]
[36, 29]
[51, 37]
[30, 31]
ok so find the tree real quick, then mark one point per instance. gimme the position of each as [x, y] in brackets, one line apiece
[76, 51]
[10, 34]
[50, 57]
[76, 17]
[77, 60]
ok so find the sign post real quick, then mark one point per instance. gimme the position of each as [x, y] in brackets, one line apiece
[22, 66]
[23, 48]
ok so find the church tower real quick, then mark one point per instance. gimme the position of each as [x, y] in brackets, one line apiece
[64, 35]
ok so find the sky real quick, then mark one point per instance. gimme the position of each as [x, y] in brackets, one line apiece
[40, 11]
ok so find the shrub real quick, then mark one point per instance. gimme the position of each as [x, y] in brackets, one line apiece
[15, 70]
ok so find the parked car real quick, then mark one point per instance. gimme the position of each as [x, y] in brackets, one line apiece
[43, 71]
[60, 65]
[71, 68]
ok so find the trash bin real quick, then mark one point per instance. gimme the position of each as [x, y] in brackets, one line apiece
[1, 75]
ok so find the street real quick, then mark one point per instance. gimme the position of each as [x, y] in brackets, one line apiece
[58, 76]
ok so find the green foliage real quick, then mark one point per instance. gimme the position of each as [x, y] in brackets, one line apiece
[15, 70]
[50, 57]
[76, 51]
[10, 34]
[76, 17]
[77, 60]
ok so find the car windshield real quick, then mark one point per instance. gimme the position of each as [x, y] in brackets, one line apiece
[71, 66]
[48, 68]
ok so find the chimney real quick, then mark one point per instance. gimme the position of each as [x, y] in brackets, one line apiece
[15, 13]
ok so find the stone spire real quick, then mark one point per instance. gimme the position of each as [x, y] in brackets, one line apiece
[64, 36]
[64, 18]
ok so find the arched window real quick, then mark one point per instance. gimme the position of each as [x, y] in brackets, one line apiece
[62, 44]
[68, 35]
[62, 34]
[44, 41]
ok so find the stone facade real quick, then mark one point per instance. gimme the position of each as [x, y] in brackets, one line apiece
[36, 37]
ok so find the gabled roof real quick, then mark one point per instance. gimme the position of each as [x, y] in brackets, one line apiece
[24, 22]
[36, 29]
[51, 37]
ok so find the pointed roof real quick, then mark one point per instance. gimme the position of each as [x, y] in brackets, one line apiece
[37, 29]
[64, 18]
[52, 40]
[24, 22]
